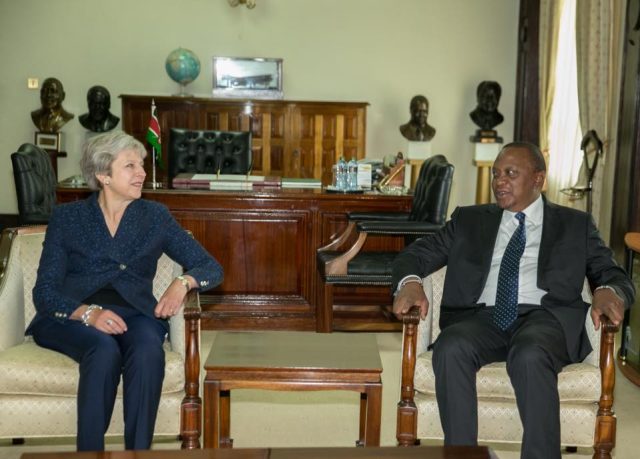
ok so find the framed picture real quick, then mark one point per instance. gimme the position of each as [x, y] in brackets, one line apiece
[48, 141]
[247, 77]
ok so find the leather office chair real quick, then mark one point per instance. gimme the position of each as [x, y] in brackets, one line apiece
[207, 152]
[585, 388]
[342, 263]
[38, 386]
[35, 184]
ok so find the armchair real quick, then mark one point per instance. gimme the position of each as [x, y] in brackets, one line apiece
[585, 388]
[341, 262]
[35, 183]
[207, 152]
[38, 386]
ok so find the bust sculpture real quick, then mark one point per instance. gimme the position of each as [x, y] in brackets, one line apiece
[51, 116]
[99, 118]
[486, 115]
[417, 129]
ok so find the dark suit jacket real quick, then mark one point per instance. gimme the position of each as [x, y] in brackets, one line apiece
[570, 250]
[80, 257]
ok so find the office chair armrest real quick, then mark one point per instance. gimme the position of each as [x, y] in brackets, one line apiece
[398, 228]
[378, 216]
[407, 420]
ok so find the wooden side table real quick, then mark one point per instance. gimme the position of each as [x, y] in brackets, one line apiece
[298, 361]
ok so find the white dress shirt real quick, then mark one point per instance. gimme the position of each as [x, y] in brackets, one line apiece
[528, 291]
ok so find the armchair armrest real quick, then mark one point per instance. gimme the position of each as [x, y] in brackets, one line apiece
[605, 434]
[191, 407]
[407, 421]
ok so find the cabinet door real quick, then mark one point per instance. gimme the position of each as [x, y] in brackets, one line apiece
[321, 134]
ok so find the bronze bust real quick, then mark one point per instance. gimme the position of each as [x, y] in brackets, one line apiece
[486, 115]
[417, 128]
[51, 116]
[99, 118]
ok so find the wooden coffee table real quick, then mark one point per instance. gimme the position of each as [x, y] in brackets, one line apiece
[298, 361]
[422, 452]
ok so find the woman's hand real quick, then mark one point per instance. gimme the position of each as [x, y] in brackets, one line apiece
[107, 321]
[172, 299]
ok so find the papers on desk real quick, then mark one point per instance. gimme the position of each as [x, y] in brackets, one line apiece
[224, 181]
[289, 182]
[240, 182]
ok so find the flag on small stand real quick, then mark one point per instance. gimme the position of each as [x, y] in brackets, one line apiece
[153, 136]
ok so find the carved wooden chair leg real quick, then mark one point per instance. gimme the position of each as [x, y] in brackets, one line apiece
[407, 421]
[191, 407]
[605, 433]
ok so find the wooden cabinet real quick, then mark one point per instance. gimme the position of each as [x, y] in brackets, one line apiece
[290, 138]
[266, 242]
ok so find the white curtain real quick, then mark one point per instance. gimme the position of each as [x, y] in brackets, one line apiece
[599, 35]
[564, 133]
[548, 44]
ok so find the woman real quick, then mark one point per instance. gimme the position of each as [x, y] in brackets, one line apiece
[93, 294]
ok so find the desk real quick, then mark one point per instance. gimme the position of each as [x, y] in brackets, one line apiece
[266, 242]
[291, 361]
[422, 452]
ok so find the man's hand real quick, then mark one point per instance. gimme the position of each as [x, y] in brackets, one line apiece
[607, 302]
[412, 294]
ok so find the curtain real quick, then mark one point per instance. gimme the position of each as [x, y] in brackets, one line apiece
[599, 36]
[564, 133]
[548, 46]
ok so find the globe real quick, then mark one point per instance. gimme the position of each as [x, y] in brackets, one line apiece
[182, 66]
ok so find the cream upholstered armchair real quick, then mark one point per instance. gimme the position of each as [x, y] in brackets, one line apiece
[38, 386]
[586, 388]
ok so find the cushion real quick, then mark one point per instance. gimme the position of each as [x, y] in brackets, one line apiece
[28, 369]
[576, 382]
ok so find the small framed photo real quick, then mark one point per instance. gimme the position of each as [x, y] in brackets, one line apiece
[48, 141]
[247, 77]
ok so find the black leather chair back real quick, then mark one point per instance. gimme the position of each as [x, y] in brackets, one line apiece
[433, 187]
[35, 184]
[204, 152]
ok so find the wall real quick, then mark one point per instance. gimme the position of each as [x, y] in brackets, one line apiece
[379, 51]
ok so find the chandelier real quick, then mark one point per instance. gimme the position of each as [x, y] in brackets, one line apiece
[248, 3]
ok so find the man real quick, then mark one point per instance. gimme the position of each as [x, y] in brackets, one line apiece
[416, 128]
[512, 292]
[51, 116]
[486, 114]
[99, 118]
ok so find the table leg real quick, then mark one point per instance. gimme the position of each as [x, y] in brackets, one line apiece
[374, 414]
[211, 414]
[225, 419]
[363, 418]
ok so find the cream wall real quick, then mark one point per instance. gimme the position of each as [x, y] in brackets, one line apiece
[379, 51]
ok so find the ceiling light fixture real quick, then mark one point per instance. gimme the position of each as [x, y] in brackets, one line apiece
[251, 4]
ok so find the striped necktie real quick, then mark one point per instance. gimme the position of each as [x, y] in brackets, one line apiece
[505, 311]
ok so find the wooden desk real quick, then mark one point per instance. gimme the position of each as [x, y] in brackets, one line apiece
[291, 361]
[422, 452]
[266, 242]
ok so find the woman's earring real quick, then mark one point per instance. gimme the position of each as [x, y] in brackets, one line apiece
[107, 182]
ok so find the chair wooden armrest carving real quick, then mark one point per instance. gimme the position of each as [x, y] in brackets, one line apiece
[191, 407]
[585, 388]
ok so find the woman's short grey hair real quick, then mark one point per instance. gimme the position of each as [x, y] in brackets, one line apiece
[99, 152]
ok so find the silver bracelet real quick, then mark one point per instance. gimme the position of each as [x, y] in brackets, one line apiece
[407, 280]
[87, 313]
